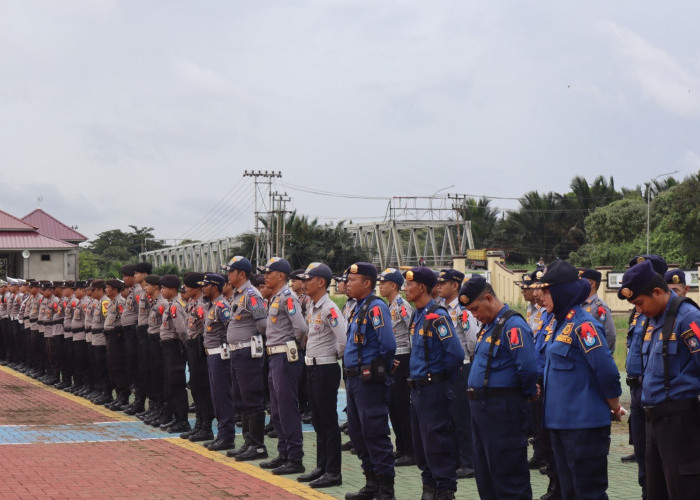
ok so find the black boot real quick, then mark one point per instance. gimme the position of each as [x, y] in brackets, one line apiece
[179, 426]
[368, 491]
[386, 487]
[273, 464]
[203, 434]
[444, 495]
[428, 493]
[553, 490]
[255, 438]
[197, 426]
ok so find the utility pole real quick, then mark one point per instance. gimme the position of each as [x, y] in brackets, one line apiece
[262, 191]
[279, 211]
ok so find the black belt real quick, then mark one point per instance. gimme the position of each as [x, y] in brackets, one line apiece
[352, 372]
[78, 331]
[634, 381]
[417, 383]
[97, 330]
[671, 407]
[67, 329]
[475, 394]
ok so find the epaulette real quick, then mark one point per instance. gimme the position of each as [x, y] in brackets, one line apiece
[287, 291]
[571, 314]
[399, 301]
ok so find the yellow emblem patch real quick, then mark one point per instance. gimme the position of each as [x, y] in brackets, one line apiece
[676, 279]
[567, 329]
[464, 299]
[626, 292]
[563, 338]
[353, 269]
[409, 275]
[640, 259]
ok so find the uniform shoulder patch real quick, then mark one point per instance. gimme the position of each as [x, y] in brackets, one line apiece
[377, 318]
[443, 331]
[515, 338]
[291, 308]
[286, 292]
[588, 336]
[692, 338]
[253, 301]
[333, 317]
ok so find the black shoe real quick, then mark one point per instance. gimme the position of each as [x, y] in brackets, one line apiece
[535, 463]
[347, 446]
[201, 435]
[444, 495]
[272, 434]
[543, 470]
[274, 463]
[326, 481]
[181, 426]
[192, 409]
[220, 445]
[465, 473]
[629, 459]
[172, 421]
[306, 418]
[237, 451]
[553, 491]
[103, 399]
[368, 491]
[428, 493]
[404, 461]
[252, 453]
[386, 487]
[289, 467]
[311, 476]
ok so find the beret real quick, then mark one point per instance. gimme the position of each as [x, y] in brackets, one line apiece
[276, 264]
[363, 268]
[317, 269]
[658, 262]
[636, 279]
[192, 279]
[153, 279]
[238, 263]
[170, 281]
[674, 277]
[450, 275]
[297, 274]
[257, 279]
[115, 283]
[128, 269]
[472, 288]
[143, 267]
[98, 284]
[422, 275]
[391, 274]
[81, 284]
[69, 284]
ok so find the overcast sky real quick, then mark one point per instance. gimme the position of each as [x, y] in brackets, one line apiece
[148, 112]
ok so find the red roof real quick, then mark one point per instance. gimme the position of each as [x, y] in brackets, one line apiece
[52, 227]
[30, 240]
[11, 223]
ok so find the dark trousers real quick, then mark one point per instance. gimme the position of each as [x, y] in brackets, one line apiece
[156, 369]
[222, 396]
[247, 380]
[91, 365]
[500, 426]
[461, 420]
[368, 424]
[144, 386]
[673, 455]
[433, 435]
[637, 424]
[100, 374]
[284, 405]
[131, 345]
[37, 343]
[174, 358]
[68, 361]
[7, 339]
[48, 355]
[56, 354]
[3, 340]
[322, 387]
[199, 380]
[81, 366]
[400, 406]
[116, 357]
[18, 334]
[304, 403]
[582, 461]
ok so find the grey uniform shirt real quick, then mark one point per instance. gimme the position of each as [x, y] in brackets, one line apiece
[144, 305]
[115, 311]
[466, 326]
[24, 310]
[79, 313]
[216, 323]
[284, 319]
[58, 315]
[600, 311]
[196, 311]
[34, 307]
[69, 304]
[16, 303]
[99, 313]
[348, 307]
[401, 312]
[174, 325]
[155, 315]
[130, 315]
[327, 329]
[533, 315]
[4, 305]
[50, 309]
[248, 314]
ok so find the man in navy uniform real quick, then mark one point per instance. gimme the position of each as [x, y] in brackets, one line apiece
[501, 381]
[580, 370]
[369, 359]
[671, 383]
[675, 279]
[437, 356]
[597, 308]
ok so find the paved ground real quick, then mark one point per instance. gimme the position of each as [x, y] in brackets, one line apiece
[55, 445]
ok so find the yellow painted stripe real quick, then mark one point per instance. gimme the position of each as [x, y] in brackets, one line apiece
[113, 415]
[282, 482]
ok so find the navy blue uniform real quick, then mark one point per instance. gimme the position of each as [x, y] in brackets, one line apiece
[635, 372]
[431, 395]
[501, 417]
[580, 370]
[673, 415]
[368, 411]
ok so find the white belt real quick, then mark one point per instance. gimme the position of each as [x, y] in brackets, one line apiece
[276, 349]
[321, 360]
[216, 350]
[239, 345]
[403, 350]
[466, 362]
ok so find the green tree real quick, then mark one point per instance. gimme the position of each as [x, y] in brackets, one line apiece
[87, 264]
[484, 219]
[115, 247]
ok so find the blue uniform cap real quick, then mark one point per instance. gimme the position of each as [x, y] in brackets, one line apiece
[363, 268]
[213, 279]
[675, 277]
[659, 263]
[238, 263]
[472, 288]
[316, 269]
[276, 264]
[530, 279]
[391, 274]
[590, 274]
[557, 273]
[450, 275]
[636, 279]
[423, 275]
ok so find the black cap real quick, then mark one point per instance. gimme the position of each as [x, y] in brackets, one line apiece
[316, 269]
[423, 275]
[363, 268]
[81, 284]
[143, 267]
[69, 284]
[636, 279]
[472, 288]
[658, 262]
[115, 283]
[675, 277]
[276, 264]
[557, 272]
[153, 279]
[170, 281]
[590, 274]
[98, 284]
[192, 279]
[297, 274]
[213, 279]
[128, 269]
[450, 275]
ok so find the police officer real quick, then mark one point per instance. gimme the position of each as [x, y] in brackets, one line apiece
[326, 342]
[244, 337]
[45, 321]
[158, 306]
[580, 369]
[296, 285]
[143, 303]
[68, 306]
[173, 335]
[390, 283]
[369, 359]
[466, 328]
[35, 338]
[437, 356]
[99, 343]
[342, 283]
[285, 329]
[671, 383]
[197, 359]
[503, 377]
[597, 308]
[57, 336]
[116, 349]
[219, 361]
[675, 279]
[80, 353]
[131, 340]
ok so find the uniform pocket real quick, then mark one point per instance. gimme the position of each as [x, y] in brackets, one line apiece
[673, 364]
[561, 363]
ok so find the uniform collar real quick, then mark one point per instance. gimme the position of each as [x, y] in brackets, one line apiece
[590, 299]
[322, 301]
[244, 286]
[453, 304]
